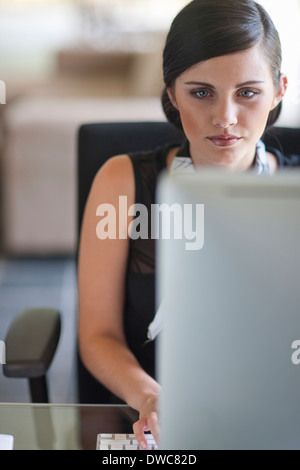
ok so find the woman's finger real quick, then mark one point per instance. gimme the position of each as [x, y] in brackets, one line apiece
[154, 427]
[138, 428]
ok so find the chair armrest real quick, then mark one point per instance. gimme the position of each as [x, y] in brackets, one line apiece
[31, 342]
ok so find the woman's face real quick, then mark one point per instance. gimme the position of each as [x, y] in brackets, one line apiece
[224, 104]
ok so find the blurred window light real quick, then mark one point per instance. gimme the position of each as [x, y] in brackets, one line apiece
[286, 16]
[30, 33]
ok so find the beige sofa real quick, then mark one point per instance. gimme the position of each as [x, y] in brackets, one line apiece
[39, 128]
[39, 166]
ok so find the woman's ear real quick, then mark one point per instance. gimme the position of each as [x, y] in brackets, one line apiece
[280, 92]
[171, 96]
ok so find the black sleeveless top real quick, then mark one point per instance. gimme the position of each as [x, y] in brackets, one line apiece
[140, 281]
[139, 308]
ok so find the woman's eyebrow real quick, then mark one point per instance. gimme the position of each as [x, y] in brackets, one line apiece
[251, 82]
[204, 84]
[239, 85]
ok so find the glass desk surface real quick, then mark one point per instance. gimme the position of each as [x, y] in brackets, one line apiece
[62, 427]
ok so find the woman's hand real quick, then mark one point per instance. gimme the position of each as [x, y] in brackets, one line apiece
[149, 421]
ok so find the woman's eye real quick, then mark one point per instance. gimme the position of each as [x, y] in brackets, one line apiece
[248, 93]
[202, 93]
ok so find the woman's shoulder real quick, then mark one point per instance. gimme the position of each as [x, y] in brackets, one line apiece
[115, 177]
[121, 173]
[116, 165]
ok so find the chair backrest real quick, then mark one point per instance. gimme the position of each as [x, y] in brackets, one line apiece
[99, 141]
[285, 139]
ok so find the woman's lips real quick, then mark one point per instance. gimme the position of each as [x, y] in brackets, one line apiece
[224, 140]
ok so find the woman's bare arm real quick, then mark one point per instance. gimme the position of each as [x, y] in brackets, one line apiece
[101, 284]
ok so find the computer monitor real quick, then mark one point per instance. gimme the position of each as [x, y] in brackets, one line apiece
[229, 350]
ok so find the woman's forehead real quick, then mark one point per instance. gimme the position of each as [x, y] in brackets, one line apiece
[239, 67]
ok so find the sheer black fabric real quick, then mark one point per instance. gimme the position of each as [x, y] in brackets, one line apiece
[140, 288]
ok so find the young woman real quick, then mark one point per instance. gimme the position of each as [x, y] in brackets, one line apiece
[223, 86]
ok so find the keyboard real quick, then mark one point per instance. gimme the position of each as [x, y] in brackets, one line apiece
[123, 442]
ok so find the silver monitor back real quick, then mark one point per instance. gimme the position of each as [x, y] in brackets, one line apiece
[229, 351]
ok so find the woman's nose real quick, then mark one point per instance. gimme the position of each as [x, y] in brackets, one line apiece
[225, 115]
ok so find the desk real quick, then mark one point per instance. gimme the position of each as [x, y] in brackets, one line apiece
[62, 427]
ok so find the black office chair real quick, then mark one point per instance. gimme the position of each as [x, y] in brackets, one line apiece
[285, 139]
[34, 335]
[30, 345]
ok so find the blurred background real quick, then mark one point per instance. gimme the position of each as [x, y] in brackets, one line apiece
[63, 63]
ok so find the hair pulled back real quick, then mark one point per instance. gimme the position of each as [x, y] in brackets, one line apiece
[205, 29]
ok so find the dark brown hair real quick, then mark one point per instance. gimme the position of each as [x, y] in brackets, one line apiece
[204, 29]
